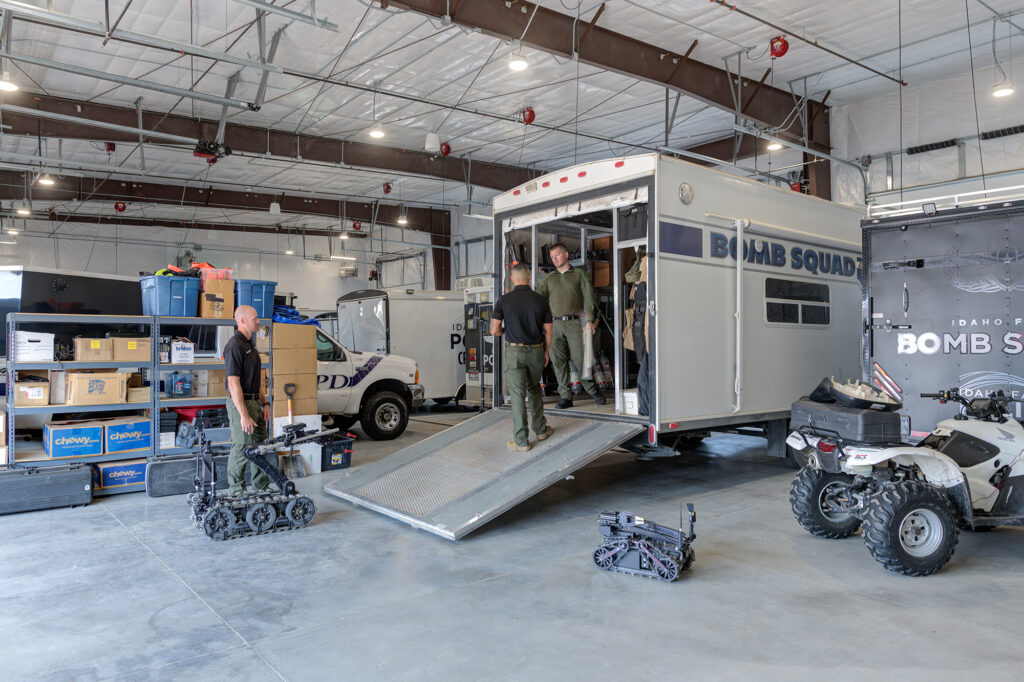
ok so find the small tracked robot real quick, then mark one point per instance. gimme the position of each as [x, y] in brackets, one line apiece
[224, 517]
[637, 546]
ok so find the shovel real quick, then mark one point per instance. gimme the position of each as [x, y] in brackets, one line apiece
[292, 465]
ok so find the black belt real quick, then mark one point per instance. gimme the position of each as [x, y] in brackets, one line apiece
[564, 318]
[525, 345]
[250, 396]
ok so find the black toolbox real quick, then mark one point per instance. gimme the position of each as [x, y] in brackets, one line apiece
[851, 423]
[27, 488]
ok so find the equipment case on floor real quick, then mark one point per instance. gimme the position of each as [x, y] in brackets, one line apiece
[24, 488]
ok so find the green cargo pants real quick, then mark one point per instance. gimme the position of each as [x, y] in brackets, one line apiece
[566, 343]
[239, 439]
[523, 367]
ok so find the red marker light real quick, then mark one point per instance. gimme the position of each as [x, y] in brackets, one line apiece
[581, 174]
[620, 164]
[545, 184]
[652, 435]
[515, 193]
[564, 178]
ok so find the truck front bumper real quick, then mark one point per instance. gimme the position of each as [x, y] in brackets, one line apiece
[418, 395]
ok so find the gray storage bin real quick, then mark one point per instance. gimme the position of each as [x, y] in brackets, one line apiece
[851, 423]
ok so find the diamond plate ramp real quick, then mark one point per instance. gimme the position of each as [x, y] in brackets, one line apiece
[455, 481]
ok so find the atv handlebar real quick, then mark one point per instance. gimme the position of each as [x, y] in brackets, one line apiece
[989, 407]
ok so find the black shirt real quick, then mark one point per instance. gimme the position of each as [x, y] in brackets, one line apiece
[525, 313]
[242, 360]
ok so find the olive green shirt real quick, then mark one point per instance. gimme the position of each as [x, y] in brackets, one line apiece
[568, 292]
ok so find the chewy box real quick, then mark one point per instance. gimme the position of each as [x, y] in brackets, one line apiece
[132, 433]
[73, 439]
[121, 474]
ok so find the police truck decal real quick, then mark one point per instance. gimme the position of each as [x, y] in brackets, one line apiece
[342, 381]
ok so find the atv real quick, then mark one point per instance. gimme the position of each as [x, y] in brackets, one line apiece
[911, 500]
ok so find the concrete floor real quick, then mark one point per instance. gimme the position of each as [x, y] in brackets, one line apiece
[127, 588]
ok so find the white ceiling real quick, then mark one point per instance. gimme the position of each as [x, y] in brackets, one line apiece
[408, 53]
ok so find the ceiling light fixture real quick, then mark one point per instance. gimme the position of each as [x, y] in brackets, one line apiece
[517, 62]
[275, 208]
[23, 209]
[1004, 89]
[289, 252]
[344, 236]
[403, 215]
[5, 83]
[376, 133]
[12, 232]
[479, 216]
[343, 258]
[774, 146]
[45, 179]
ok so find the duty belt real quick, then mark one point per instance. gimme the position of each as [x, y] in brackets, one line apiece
[525, 345]
[564, 318]
[250, 396]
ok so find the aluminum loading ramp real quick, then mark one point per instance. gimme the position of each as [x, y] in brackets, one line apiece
[456, 481]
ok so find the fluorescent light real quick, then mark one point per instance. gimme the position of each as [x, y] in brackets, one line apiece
[517, 62]
[376, 133]
[289, 252]
[343, 257]
[402, 220]
[479, 216]
[5, 83]
[774, 146]
[23, 210]
[344, 236]
[1004, 89]
[45, 179]
[12, 232]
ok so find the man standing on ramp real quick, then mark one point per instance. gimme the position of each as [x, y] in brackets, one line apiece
[527, 334]
[568, 291]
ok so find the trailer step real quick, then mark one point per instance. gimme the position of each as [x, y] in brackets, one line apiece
[456, 481]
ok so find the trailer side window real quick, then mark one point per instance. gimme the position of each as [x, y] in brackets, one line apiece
[789, 301]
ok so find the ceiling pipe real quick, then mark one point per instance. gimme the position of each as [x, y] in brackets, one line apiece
[291, 14]
[102, 125]
[125, 80]
[58, 20]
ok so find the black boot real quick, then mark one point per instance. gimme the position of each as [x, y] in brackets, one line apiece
[598, 398]
[563, 404]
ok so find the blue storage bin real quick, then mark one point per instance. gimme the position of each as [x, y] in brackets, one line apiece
[175, 296]
[256, 292]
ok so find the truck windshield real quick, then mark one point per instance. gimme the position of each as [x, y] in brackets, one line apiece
[327, 350]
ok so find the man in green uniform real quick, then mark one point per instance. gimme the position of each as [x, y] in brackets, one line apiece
[527, 332]
[248, 409]
[568, 291]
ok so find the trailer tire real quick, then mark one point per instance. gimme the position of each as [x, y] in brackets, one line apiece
[910, 528]
[808, 497]
[384, 416]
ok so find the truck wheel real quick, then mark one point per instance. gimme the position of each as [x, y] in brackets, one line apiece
[384, 416]
[814, 497]
[910, 528]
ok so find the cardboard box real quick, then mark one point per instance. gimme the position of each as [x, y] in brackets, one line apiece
[217, 299]
[305, 386]
[183, 353]
[602, 274]
[33, 347]
[120, 474]
[94, 350]
[298, 407]
[73, 439]
[216, 387]
[31, 393]
[132, 350]
[130, 433]
[260, 339]
[294, 361]
[294, 336]
[140, 394]
[167, 440]
[95, 388]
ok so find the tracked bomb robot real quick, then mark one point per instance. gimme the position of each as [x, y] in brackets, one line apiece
[223, 517]
[634, 545]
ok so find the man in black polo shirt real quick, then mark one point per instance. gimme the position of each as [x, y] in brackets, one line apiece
[248, 409]
[527, 334]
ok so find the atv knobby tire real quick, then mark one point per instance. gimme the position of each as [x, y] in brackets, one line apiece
[910, 528]
[809, 497]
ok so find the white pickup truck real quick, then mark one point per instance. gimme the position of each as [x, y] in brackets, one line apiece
[375, 389]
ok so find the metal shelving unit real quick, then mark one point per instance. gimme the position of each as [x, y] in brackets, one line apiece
[36, 457]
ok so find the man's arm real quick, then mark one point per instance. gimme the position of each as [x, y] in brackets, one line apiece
[542, 287]
[497, 315]
[496, 328]
[238, 400]
[589, 301]
[547, 340]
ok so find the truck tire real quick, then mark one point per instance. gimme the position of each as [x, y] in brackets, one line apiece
[910, 528]
[809, 497]
[384, 416]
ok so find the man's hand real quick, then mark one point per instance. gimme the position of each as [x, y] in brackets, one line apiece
[590, 327]
[545, 358]
[266, 413]
[248, 425]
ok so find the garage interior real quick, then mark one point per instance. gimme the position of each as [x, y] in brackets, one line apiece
[346, 145]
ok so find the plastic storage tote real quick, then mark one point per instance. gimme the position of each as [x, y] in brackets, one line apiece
[257, 293]
[174, 296]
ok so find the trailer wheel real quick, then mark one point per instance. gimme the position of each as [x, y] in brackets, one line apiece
[814, 497]
[384, 416]
[910, 528]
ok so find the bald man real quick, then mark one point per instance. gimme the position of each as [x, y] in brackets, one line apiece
[248, 409]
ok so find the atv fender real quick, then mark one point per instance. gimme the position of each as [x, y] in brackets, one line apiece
[938, 469]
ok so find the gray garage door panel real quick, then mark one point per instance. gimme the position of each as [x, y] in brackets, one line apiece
[454, 482]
